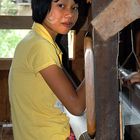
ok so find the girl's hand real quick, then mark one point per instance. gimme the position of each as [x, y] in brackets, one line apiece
[132, 78]
[135, 77]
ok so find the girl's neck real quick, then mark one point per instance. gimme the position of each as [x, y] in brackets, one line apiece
[52, 33]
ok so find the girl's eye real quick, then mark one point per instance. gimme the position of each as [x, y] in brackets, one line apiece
[75, 8]
[61, 5]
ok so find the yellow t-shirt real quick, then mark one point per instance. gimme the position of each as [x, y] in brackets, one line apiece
[36, 112]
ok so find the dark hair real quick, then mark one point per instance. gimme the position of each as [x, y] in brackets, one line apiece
[40, 8]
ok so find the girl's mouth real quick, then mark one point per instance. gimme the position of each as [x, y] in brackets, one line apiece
[67, 24]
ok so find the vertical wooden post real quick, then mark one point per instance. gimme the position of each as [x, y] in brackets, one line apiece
[5, 116]
[106, 85]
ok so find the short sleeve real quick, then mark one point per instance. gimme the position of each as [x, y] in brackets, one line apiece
[42, 55]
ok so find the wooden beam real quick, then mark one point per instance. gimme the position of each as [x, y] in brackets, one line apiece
[117, 15]
[23, 22]
[106, 85]
[5, 63]
[5, 116]
[15, 22]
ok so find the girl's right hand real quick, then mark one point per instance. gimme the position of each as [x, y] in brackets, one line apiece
[132, 78]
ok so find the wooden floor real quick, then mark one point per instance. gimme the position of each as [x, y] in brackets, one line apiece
[6, 133]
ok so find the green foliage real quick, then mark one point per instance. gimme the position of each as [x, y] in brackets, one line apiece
[8, 42]
[8, 7]
[9, 38]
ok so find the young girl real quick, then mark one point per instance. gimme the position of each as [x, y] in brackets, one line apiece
[37, 84]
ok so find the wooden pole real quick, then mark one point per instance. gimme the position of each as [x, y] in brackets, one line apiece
[106, 85]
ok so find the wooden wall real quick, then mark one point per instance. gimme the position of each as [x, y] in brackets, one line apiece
[4, 98]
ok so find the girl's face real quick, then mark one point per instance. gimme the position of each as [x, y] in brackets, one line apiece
[62, 17]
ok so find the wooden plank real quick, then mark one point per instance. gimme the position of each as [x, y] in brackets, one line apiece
[6, 133]
[15, 22]
[106, 89]
[106, 85]
[5, 63]
[117, 15]
[5, 115]
[22, 22]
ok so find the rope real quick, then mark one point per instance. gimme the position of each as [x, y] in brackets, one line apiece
[132, 52]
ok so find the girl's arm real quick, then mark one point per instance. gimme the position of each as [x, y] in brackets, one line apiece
[73, 100]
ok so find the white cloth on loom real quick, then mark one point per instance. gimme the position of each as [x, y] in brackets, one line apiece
[78, 123]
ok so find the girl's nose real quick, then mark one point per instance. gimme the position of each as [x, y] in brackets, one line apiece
[69, 13]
